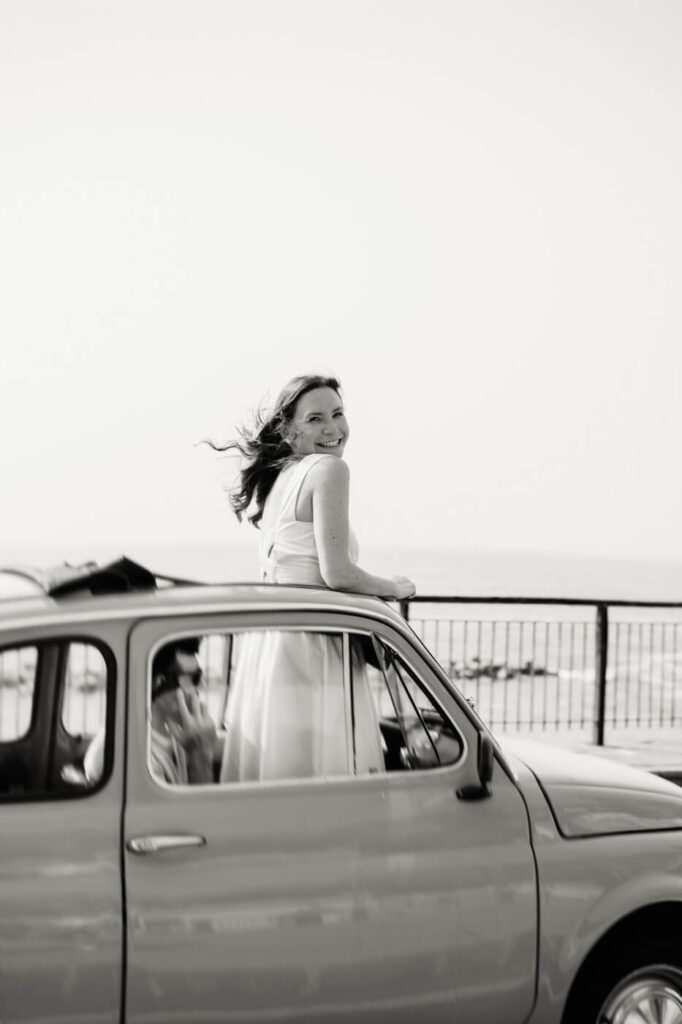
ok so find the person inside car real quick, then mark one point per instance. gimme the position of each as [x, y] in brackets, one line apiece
[183, 734]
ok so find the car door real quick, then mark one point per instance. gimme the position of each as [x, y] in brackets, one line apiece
[447, 872]
[61, 925]
[347, 895]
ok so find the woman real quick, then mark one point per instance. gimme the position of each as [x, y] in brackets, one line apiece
[287, 697]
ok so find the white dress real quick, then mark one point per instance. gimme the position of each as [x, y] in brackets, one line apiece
[286, 715]
[288, 552]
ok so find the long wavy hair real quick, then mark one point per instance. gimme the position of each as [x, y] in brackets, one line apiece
[266, 449]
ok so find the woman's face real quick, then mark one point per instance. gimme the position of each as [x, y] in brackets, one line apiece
[319, 424]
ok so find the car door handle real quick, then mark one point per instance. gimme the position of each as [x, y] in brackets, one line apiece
[155, 844]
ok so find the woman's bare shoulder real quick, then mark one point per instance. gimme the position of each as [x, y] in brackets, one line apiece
[329, 469]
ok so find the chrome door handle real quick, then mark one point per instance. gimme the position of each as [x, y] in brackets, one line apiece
[155, 844]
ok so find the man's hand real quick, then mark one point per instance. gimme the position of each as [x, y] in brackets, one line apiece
[195, 732]
[196, 725]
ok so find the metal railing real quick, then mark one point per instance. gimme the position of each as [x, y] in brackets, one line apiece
[527, 666]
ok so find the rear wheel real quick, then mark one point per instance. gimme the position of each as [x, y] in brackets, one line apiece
[638, 986]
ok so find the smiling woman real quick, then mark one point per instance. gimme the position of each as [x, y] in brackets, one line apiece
[294, 485]
[296, 482]
[319, 422]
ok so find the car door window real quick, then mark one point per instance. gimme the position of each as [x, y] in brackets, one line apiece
[54, 701]
[259, 705]
[85, 690]
[390, 701]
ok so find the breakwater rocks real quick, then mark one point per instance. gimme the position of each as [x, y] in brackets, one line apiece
[495, 671]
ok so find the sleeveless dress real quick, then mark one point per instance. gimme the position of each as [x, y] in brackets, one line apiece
[288, 553]
[286, 710]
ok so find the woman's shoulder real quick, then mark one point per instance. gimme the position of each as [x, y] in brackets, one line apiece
[312, 469]
[328, 468]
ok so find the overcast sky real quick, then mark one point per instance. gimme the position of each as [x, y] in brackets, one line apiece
[469, 211]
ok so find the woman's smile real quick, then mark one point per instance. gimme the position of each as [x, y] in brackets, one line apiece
[319, 423]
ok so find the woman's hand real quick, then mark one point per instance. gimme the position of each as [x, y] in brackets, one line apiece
[404, 587]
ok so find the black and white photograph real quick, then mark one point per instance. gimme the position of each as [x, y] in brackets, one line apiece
[341, 516]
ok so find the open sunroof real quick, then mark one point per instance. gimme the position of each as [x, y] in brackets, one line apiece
[117, 577]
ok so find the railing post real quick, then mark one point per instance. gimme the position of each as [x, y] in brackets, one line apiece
[404, 606]
[600, 665]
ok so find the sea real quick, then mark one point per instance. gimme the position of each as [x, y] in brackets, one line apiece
[436, 570]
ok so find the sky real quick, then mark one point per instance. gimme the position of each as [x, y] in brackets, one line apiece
[468, 211]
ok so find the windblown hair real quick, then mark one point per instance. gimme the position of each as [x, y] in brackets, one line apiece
[265, 447]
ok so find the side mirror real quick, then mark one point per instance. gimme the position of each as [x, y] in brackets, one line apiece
[485, 764]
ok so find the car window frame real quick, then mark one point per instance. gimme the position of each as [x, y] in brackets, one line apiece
[230, 631]
[440, 691]
[147, 631]
[53, 647]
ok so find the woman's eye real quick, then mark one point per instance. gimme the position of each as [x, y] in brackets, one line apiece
[339, 413]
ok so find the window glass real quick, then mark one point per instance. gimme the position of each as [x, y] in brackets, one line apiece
[17, 688]
[253, 706]
[85, 690]
[53, 710]
[389, 702]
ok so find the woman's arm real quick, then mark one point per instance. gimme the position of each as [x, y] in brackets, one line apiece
[330, 482]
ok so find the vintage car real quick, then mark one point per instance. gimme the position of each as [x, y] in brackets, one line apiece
[446, 880]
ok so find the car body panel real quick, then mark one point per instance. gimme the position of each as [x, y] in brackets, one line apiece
[594, 796]
[587, 887]
[61, 931]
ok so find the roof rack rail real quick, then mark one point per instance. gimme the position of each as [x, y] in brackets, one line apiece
[117, 577]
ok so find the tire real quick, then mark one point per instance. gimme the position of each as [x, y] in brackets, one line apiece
[639, 985]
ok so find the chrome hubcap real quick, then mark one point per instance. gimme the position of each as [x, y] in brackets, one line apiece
[650, 996]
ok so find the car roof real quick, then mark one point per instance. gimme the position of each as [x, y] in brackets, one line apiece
[125, 589]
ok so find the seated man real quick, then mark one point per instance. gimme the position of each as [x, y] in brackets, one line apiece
[182, 731]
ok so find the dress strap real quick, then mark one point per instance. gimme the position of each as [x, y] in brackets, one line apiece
[285, 513]
[300, 470]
